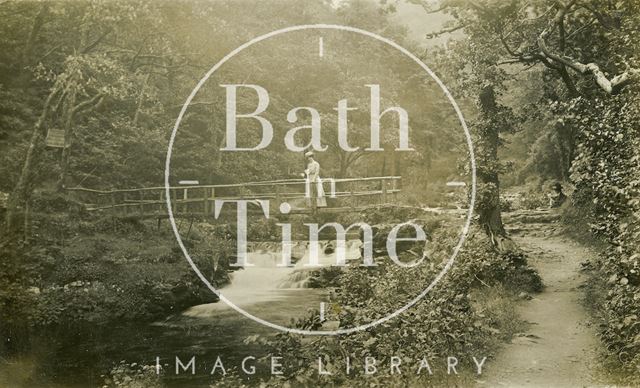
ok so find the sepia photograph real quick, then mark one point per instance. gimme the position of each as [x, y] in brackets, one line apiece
[319, 193]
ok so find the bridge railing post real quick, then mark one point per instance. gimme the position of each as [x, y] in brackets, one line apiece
[278, 195]
[352, 189]
[205, 199]
[383, 182]
[174, 200]
[185, 196]
[395, 192]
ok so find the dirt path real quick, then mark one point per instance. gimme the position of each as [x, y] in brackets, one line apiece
[559, 347]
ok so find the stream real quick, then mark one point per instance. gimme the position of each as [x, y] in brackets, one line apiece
[275, 294]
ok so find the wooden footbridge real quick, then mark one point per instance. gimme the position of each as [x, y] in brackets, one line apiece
[343, 195]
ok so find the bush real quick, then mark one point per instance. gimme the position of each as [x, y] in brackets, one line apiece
[133, 375]
[454, 318]
[606, 173]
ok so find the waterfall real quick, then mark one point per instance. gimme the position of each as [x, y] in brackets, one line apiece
[327, 257]
[265, 281]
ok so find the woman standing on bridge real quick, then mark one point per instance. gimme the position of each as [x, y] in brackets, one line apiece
[313, 192]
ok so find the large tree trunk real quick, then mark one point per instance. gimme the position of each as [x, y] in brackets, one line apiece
[489, 199]
[21, 194]
[565, 145]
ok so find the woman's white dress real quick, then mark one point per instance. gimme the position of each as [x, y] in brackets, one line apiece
[313, 180]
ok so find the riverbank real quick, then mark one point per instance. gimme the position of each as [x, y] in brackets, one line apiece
[79, 284]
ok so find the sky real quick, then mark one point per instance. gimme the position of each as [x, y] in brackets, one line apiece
[421, 23]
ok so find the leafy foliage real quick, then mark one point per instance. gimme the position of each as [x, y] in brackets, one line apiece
[584, 56]
[607, 176]
[454, 318]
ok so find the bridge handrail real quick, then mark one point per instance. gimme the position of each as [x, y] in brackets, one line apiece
[280, 182]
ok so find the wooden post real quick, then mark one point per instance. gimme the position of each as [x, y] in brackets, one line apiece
[205, 200]
[278, 195]
[384, 190]
[394, 187]
[174, 201]
[354, 199]
[185, 207]
[124, 201]
[213, 199]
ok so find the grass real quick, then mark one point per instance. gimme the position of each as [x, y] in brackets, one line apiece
[498, 307]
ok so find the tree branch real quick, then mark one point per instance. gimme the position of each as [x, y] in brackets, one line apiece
[428, 8]
[579, 29]
[611, 86]
[54, 48]
[508, 61]
[96, 42]
[445, 31]
[604, 20]
[97, 99]
[548, 64]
